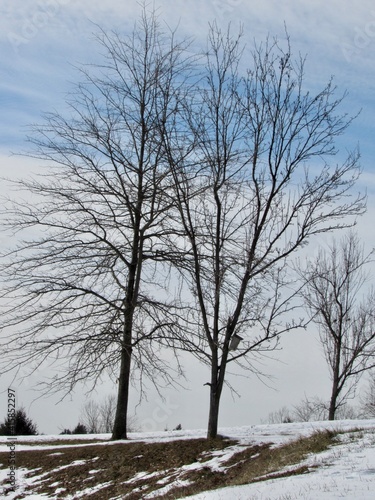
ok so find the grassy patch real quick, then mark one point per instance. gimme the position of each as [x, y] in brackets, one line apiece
[271, 461]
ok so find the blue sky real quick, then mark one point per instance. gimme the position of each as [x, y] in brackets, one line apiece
[42, 40]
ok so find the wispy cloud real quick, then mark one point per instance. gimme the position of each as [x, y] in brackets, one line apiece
[41, 40]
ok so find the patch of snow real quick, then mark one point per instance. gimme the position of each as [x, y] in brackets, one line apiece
[89, 491]
[59, 490]
[163, 491]
[143, 475]
[345, 471]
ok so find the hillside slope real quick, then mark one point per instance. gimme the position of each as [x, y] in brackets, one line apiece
[321, 460]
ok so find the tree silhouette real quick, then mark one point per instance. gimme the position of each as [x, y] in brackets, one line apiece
[20, 425]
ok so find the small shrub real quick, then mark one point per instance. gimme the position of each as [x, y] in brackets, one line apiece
[80, 429]
[65, 431]
[22, 425]
[281, 416]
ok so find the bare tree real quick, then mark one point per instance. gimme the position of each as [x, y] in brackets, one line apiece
[315, 408]
[107, 410]
[256, 186]
[310, 409]
[343, 309]
[91, 417]
[84, 292]
[281, 416]
[367, 400]
[99, 417]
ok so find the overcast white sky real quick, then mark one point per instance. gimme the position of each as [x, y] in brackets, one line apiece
[41, 41]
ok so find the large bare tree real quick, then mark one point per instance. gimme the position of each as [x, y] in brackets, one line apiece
[343, 307]
[82, 291]
[256, 187]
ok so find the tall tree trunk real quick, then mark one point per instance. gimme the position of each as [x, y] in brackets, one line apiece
[217, 381]
[335, 382]
[213, 415]
[120, 424]
[213, 418]
[333, 400]
[216, 387]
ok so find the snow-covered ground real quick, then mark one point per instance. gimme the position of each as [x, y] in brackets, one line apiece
[346, 471]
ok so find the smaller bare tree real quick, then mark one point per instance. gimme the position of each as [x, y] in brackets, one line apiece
[310, 410]
[367, 400]
[334, 295]
[99, 417]
[250, 192]
[281, 416]
[107, 410]
[90, 417]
